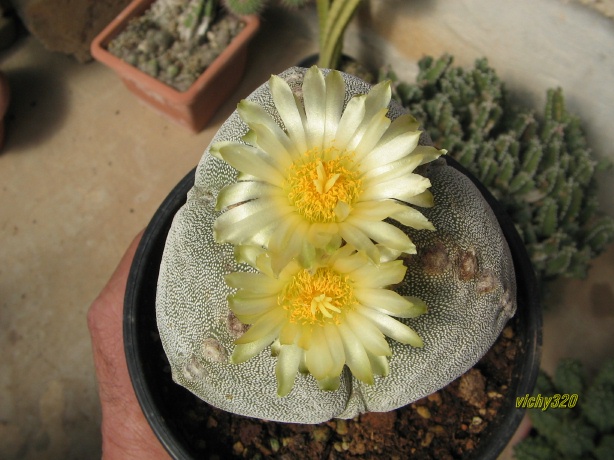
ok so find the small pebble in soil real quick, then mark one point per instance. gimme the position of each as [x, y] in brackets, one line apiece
[423, 411]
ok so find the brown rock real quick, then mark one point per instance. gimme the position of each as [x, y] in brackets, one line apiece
[378, 421]
[68, 26]
[471, 388]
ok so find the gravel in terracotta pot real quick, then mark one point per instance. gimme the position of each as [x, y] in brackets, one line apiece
[190, 98]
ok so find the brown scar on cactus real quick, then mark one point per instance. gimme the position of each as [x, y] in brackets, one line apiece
[435, 259]
[467, 265]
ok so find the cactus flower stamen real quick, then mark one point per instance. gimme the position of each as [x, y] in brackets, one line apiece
[317, 298]
[318, 185]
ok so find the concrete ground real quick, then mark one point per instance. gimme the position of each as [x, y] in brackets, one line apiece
[84, 167]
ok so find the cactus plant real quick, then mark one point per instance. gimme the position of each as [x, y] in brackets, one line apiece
[585, 430]
[541, 169]
[462, 271]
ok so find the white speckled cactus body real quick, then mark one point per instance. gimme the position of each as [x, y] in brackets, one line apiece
[463, 271]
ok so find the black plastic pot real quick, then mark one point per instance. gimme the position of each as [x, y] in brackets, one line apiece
[159, 396]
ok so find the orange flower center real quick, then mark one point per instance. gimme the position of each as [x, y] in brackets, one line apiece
[317, 298]
[324, 185]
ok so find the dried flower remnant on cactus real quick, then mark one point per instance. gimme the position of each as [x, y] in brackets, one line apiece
[328, 174]
[320, 319]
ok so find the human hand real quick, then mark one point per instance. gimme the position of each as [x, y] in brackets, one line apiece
[125, 431]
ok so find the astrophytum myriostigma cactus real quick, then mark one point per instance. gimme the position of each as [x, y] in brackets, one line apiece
[452, 256]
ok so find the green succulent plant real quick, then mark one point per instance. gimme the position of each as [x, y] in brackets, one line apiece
[540, 168]
[585, 431]
[333, 19]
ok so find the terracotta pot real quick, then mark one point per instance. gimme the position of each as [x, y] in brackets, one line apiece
[162, 400]
[192, 108]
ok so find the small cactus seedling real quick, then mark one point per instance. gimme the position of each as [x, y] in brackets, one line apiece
[541, 170]
[300, 282]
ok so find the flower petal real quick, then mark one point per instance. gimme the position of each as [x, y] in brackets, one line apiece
[291, 113]
[247, 351]
[390, 303]
[335, 97]
[330, 383]
[267, 326]
[289, 334]
[391, 327]
[307, 256]
[390, 151]
[320, 235]
[386, 234]
[424, 199]
[380, 276]
[400, 125]
[376, 100]
[277, 146]
[253, 161]
[286, 368]
[253, 114]
[242, 224]
[289, 245]
[401, 188]
[412, 218]
[405, 165]
[335, 346]
[372, 135]
[369, 335]
[239, 192]
[349, 264]
[248, 254]
[378, 97]
[249, 306]
[351, 119]
[314, 99]
[254, 283]
[379, 364]
[375, 210]
[387, 254]
[318, 358]
[355, 354]
[359, 240]
[304, 340]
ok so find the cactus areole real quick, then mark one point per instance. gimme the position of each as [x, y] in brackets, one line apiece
[326, 263]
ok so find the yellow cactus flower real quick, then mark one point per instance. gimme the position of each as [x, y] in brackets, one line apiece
[321, 173]
[337, 312]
